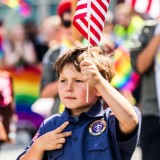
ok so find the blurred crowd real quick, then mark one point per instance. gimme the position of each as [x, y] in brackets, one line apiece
[34, 48]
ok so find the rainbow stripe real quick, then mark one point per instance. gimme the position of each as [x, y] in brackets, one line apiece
[125, 78]
[26, 86]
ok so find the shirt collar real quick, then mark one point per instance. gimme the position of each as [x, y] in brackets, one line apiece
[95, 111]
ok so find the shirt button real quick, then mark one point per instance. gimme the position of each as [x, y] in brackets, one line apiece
[75, 139]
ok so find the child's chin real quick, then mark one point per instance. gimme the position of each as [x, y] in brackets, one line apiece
[71, 107]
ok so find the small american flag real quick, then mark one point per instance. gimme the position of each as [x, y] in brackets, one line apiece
[98, 10]
[150, 7]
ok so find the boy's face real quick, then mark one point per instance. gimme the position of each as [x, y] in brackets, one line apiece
[72, 90]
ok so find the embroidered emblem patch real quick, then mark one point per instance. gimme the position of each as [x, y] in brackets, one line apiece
[97, 127]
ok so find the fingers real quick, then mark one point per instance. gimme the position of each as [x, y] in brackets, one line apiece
[61, 137]
[59, 146]
[85, 63]
[87, 66]
[61, 128]
[64, 134]
[61, 141]
[86, 72]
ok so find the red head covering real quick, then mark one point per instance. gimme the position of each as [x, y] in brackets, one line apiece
[63, 6]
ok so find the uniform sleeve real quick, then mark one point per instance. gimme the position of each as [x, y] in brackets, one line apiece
[127, 145]
[124, 145]
[39, 133]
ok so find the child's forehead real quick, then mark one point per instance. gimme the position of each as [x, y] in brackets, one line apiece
[69, 71]
[69, 66]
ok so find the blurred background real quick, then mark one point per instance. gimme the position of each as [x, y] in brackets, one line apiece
[25, 40]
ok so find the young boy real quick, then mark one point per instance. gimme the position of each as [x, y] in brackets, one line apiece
[85, 131]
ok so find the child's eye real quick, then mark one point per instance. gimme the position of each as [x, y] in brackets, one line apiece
[62, 81]
[79, 81]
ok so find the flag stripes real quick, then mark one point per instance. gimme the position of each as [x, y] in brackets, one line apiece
[98, 13]
[151, 7]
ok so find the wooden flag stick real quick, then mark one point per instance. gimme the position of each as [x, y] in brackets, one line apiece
[89, 25]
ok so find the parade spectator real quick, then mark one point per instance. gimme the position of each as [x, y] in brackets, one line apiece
[33, 33]
[127, 25]
[65, 40]
[49, 77]
[7, 107]
[143, 56]
[18, 51]
[85, 130]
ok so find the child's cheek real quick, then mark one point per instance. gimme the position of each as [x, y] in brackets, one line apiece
[82, 93]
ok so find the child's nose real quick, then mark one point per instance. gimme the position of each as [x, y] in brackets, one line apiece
[70, 87]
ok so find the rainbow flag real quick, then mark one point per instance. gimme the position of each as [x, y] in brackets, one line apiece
[125, 78]
[21, 6]
[26, 85]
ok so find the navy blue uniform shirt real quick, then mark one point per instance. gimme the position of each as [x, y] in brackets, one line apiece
[90, 139]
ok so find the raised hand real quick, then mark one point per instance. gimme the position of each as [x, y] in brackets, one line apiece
[90, 72]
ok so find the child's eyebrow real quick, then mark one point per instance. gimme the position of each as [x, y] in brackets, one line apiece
[66, 77]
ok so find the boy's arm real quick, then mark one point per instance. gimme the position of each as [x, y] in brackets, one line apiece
[122, 109]
[34, 153]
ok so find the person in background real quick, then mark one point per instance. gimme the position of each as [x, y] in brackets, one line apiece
[18, 51]
[65, 13]
[143, 56]
[33, 33]
[127, 24]
[85, 130]
[7, 107]
[52, 26]
[49, 80]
